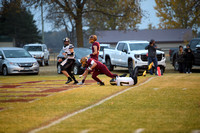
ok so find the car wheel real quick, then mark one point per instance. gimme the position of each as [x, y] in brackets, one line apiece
[109, 65]
[76, 70]
[5, 71]
[176, 65]
[47, 62]
[42, 63]
[59, 69]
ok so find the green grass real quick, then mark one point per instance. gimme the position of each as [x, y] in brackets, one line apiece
[173, 107]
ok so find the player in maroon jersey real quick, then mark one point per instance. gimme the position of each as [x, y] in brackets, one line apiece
[97, 68]
[95, 47]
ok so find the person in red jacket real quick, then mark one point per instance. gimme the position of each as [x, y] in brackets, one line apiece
[95, 47]
[97, 68]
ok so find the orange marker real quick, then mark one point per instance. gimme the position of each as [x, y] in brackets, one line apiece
[158, 71]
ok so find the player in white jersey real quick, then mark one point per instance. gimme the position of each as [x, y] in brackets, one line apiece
[67, 64]
[125, 81]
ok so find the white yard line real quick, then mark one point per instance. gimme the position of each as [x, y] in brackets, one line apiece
[85, 131]
[139, 130]
[84, 109]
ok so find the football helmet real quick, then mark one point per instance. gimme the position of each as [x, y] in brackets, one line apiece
[92, 38]
[66, 39]
[84, 61]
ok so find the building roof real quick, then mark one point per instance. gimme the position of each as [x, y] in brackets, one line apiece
[159, 35]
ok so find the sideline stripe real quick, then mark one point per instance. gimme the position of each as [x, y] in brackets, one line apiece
[84, 109]
[139, 130]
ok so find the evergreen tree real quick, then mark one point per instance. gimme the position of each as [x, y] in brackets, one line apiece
[18, 23]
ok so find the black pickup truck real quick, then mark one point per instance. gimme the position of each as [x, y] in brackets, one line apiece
[194, 45]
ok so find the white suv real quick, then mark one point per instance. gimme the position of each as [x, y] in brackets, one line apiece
[39, 52]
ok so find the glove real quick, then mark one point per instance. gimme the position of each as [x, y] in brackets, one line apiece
[80, 76]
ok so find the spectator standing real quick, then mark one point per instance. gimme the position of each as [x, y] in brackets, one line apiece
[187, 47]
[181, 59]
[189, 59]
[152, 56]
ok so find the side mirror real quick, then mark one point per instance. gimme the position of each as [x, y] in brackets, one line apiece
[125, 50]
[1, 57]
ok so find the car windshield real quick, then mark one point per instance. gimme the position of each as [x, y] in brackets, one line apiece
[102, 47]
[16, 54]
[33, 48]
[79, 52]
[138, 46]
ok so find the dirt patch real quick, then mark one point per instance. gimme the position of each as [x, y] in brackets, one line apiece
[19, 91]
[90, 81]
[30, 95]
[31, 82]
[16, 100]
[9, 86]
[54, 90]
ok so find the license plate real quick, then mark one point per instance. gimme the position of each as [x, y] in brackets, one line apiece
[26, 68]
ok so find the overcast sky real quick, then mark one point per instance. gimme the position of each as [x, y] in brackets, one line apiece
[146, 5]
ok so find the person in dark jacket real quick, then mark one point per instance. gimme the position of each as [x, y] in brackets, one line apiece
[152, 56]
[189, 58]
[180, 56]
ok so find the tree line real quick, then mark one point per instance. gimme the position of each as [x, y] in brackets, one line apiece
[17, 21]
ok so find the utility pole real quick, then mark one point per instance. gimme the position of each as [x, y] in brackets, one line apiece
[42, 21]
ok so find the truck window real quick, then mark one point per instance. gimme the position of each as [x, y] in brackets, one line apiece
[120, 46]
[125, 47]
[137, 46]
[194, 43]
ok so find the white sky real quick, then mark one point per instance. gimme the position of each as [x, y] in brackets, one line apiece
[146, 5]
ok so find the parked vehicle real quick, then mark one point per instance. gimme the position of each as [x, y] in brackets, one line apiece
[39, 52]
[195, 47]
[102, 46]
[17, 60]
[79, 53]
[131, 54]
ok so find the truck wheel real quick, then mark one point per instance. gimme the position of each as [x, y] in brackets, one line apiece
[109, 65]
[130, 66]
[42, 63]
[47, 62]
[162, 69]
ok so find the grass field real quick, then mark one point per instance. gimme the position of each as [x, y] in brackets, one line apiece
[43, 103]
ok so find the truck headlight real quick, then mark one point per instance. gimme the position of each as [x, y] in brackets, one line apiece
[137, 56]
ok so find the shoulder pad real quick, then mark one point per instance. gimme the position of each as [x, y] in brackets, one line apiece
[71, 46]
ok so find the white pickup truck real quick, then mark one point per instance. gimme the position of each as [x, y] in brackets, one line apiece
[131, 54]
